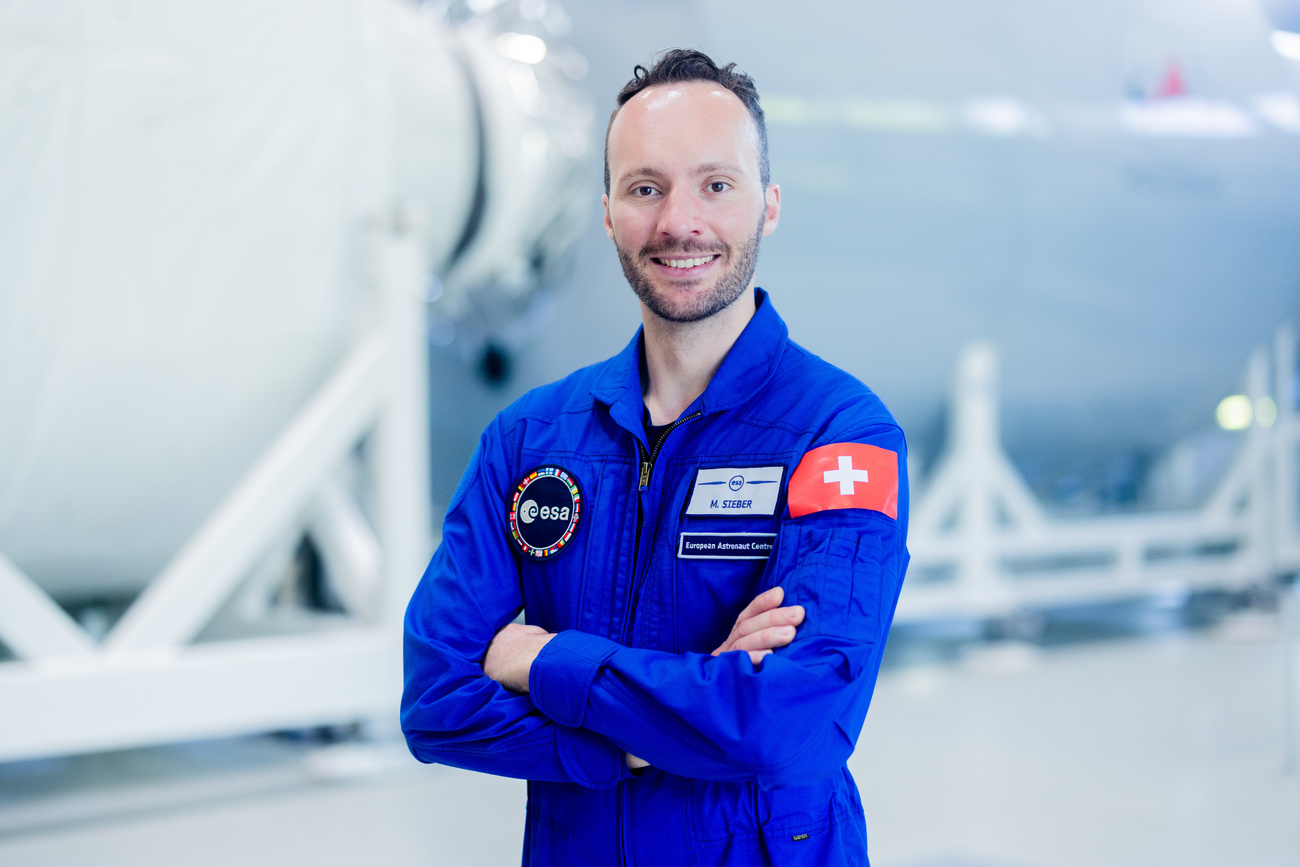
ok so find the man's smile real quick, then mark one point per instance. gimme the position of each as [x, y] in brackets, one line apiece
[684, 263]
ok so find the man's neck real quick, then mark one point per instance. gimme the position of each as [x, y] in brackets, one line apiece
[681, 357]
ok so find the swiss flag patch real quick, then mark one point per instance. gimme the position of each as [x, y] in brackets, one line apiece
[845, 476]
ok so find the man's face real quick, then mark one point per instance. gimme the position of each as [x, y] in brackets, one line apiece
[686, 206]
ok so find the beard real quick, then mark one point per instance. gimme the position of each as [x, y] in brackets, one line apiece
[738, 270]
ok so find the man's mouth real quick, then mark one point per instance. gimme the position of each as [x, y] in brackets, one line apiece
[684, 263]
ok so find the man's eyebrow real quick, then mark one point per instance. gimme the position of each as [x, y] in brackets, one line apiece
[717, 168]
[642, 173]
[702, 169]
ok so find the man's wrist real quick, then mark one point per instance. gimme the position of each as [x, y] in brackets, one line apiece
[510, 656]
[527, 656]
[564, 673]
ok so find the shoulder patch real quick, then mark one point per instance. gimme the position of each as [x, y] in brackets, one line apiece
[544, 512]
[845, 476]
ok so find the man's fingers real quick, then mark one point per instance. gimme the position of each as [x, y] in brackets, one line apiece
[763, 612]
[791, 615]
[764, 601]
[765, 639]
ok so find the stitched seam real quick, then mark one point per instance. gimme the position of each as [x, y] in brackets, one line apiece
[453, 749]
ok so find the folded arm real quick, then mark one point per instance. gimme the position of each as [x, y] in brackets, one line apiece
[763, 626]
[791, 721]
[451, 713]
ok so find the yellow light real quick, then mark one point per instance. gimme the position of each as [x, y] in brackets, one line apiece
[1266, 411]
[1234, 412]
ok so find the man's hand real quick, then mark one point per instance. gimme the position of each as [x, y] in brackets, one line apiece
[510, 655]
[763, 626]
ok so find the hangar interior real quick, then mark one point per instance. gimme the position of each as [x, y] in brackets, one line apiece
[268, 269]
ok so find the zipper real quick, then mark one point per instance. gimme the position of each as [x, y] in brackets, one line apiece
[647, 467]
[648, 458]
[643, 484]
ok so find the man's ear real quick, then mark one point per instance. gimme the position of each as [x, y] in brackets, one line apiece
[609, 227]
[771, 209]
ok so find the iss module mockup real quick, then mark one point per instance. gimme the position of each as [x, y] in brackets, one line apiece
[186, 193]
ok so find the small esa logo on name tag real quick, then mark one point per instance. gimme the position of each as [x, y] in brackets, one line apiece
[728, 491]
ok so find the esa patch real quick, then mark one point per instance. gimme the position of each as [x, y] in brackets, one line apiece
[735, 491]
[544, 512]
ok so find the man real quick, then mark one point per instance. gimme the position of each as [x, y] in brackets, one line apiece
[651, 515]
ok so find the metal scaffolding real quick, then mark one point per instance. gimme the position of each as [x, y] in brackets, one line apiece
[982, 546]
[149, 681]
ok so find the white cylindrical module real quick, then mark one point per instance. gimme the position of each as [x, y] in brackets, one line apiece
[184, 194]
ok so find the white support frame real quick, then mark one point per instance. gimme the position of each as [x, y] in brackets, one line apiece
[148, 682]
[980, 530]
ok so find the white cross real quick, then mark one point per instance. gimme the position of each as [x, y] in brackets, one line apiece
[845, 475]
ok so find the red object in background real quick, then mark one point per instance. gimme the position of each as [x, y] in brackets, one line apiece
[845, 476]
[1173, 84]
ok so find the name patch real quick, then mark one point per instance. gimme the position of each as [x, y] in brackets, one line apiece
[725, 546]
[736, 491]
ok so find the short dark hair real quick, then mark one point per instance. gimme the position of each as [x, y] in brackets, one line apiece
[685, 64]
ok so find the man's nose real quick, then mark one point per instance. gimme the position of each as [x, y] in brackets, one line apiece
[681, 215]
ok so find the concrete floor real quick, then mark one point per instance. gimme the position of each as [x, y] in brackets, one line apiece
[1163, 750]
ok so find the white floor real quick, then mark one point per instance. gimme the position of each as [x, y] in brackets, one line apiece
[1164, 751]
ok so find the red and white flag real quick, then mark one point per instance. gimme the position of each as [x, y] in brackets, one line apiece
[845, 476]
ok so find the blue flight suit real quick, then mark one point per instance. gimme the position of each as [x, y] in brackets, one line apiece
[747, 765]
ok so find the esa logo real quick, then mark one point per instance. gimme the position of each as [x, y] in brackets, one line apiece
[529, 511]
[545, 512]
[736, 483]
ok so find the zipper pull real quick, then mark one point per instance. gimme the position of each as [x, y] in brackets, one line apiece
[645, 474]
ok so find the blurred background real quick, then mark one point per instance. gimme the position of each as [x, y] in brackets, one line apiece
[268, 268]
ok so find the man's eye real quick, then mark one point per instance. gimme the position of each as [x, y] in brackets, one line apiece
[718, 187]
[643, 191]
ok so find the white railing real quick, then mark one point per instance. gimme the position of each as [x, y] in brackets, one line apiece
[148, 681]
[982, 545]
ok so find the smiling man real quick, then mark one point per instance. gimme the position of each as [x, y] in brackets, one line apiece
[706, 535]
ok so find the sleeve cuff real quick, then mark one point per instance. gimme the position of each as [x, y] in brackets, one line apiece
[562, 674]
[590, 759]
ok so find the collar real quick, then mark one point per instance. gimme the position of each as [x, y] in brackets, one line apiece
[747, 367]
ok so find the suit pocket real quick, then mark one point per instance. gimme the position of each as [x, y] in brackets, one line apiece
[835, 573]
[718, 813]
[552, 805]
[808, 809]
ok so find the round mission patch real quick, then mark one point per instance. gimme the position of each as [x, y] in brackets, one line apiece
[544, 512]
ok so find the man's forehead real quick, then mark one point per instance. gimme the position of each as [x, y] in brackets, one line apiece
[662, 96]
[675, 104]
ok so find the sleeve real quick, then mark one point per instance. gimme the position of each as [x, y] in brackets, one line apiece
[452, 713]
[793, 720]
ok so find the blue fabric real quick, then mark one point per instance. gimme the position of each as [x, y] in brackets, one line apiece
[748, 764]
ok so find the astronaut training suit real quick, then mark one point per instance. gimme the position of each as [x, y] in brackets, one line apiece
[785, 471]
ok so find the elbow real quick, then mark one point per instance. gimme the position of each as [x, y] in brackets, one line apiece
[803, 764]
[800, 749]
[418, 734]
[430, 718]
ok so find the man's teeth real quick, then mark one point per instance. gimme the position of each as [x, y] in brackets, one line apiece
[686, 263]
